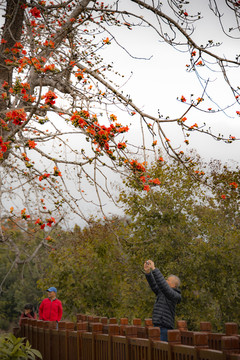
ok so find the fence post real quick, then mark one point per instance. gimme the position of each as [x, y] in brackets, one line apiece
[72, 345]
[137, 322]
[231, 328]
[104, 320]
[123, 324]
[81, 317]
[200, 340]
[153, 333]
[113, 329]
[148, 322]
[40, 336]
[34, 334]
[97, 328]
[230, 344]
[130, 331]
[182, 325]
[81, 328]
[23, 327]
[205, 326]
[48, 325]
[31, 324]
[174, 336]
[113, 321]
[63, 329]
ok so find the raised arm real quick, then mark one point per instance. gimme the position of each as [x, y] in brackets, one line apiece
[150, 279]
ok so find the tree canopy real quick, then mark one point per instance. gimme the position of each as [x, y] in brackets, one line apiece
[67, 124]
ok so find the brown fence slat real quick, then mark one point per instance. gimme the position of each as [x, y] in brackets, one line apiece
[160, 350]
[139, 349]
[210, 354]
[86, 346]
[101, 347]
[119, 347]
[62, 344]
[215, 341]
[40, 339]
[47, 344]
[183, 352]
[55, 347]
[72, 345]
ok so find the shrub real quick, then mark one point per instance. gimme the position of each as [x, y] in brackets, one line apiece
[12, 348]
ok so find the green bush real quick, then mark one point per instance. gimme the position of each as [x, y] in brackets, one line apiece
[4, 324]
[12, 348]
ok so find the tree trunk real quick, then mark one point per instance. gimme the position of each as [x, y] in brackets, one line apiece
[12, 31]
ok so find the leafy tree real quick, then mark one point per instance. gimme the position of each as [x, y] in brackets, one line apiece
[18, 282]
[189, 230]
[87, 268]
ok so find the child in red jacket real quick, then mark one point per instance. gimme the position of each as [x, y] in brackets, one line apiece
[28, 313]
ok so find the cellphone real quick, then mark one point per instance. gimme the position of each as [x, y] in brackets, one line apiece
[147, 262]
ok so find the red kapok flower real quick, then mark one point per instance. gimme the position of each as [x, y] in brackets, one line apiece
[234, 184]
[49, 97]
[24, 215]
[113, 117]
[35, 12]
[50, 221]
[155, 181]
[17, 116]
[107, 41]
[56, 171]
[122, 145]
[44, 176]
[31, 144]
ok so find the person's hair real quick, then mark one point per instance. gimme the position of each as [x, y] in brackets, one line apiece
[28, 307]
[176, 280]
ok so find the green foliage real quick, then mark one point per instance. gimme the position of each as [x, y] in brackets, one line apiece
[12, 348]
[87, 268]
[21, 274]
[189, 230]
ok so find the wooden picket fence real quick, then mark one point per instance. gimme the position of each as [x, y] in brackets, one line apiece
[96, 338]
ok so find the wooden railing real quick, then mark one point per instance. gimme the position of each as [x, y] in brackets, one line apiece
[95, 338]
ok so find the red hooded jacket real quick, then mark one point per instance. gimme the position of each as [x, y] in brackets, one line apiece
[50, 310]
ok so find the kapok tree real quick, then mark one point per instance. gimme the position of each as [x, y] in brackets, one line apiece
[64, 121]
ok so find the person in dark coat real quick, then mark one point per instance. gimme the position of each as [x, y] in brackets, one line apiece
[168, 295]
